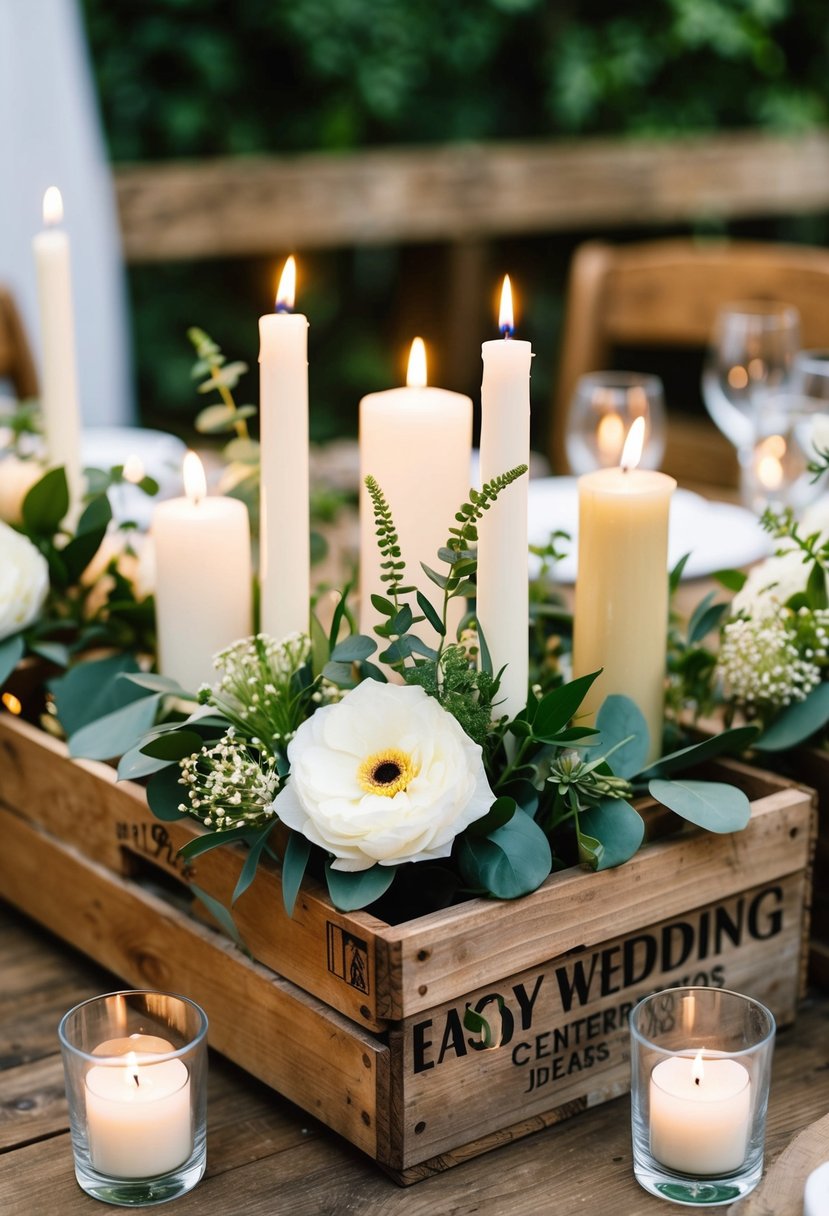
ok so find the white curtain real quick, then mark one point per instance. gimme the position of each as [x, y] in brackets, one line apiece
[50, 134]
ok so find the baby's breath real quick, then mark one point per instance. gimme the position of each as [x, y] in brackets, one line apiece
[265, 688]
[229, 785]
[773, 659]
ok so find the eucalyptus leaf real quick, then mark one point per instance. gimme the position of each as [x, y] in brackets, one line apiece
[214, 840]
[557, 708]
[153, 682]
[512, 861]
[353, 649]
[797, 722]
[134, 765]
[618, 718]
[431, 614]
[53, 652]
[46, 503]
[618, 828]
[353, 889]
[726, 743]
[248, 871]
[501, 811]
[90, 689]
[165, 794]
[12, 650]
[114, 733]
[294, 864]
[708, 804]
[174, 745]
[732, 580]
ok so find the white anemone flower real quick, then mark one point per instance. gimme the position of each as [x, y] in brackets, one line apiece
[386, 775]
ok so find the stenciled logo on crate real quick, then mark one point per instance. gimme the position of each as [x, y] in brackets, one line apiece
[153, 841]
[552, 1025]
[347, 957]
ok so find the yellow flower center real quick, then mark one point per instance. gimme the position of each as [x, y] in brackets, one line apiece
[386, 773]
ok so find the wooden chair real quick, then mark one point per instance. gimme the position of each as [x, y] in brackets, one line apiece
[667, 293]
[16, 362]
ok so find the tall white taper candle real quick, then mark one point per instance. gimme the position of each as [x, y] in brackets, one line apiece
[284, 540]
[503, 579]
[59, 389]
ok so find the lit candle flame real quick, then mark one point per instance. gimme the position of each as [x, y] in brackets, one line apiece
[610, 437]
[635, 442]
[12, 703]
[416, 372]
[286, 291]
[133, 469]
[195, 483]
[506, 318]
[768, 462]
[697, 1070]
[52, 206]
[131, 1070]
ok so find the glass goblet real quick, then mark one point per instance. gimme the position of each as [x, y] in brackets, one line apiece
[603, 407]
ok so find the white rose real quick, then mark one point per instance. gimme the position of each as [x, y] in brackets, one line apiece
[771, 583]
[24, 581]
[386, 775]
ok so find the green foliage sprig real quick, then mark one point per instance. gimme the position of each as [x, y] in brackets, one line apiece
[241, 478]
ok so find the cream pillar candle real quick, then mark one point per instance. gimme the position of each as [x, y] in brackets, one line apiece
[203, 578]
[503, 579]
[700, 1114]
[621, 605]
[284, 542]
[138, 1112]
[417, 443]
[59, 388]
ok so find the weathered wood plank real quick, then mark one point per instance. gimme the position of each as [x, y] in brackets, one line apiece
[781, 1191]
[265, 205]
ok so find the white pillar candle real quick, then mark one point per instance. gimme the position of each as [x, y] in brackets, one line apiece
[203, 578]
[417, 443]
[284, 544]
[59, 388]
[621, 604]
[700, 1114]
[503, 579]
[138, 1111]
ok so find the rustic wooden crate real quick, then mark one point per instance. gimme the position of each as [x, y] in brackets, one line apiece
[360, 1022]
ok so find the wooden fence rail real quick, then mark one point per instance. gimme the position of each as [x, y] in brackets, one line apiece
[263, 205]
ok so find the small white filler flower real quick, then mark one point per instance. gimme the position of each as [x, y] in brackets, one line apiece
[386, 775]
[24, 581]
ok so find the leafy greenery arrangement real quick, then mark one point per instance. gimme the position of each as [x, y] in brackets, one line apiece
[70, 589]
[414, 793]
[770, 663]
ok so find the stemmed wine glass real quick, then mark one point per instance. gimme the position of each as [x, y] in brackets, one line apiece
[603, 407]
[749, 359]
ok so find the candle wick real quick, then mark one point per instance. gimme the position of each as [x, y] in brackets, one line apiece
[135, 1079]
[696, 1080]
[280, 307]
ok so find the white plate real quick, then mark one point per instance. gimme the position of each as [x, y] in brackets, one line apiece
[718, 535]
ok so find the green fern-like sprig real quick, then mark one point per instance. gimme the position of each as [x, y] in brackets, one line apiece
[393, 564]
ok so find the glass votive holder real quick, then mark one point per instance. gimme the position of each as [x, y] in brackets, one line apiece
[700, 1071]
[792, 431]
[602, 410]
[136, 1082]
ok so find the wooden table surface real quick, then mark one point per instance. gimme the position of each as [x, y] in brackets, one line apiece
[266, 1156]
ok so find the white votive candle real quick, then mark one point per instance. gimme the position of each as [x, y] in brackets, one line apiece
[416, 442]
[138, 1112]
[59, 388]
[700, 1114]
[284, 544]
[203, 578]
[503, 579]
